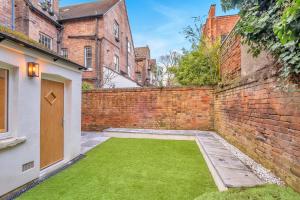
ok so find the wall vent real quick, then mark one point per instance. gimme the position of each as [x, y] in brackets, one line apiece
[28, 166]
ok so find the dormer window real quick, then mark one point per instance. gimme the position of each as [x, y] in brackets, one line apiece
[117, 31]
[47, 5]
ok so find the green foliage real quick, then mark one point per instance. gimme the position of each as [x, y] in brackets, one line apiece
[274, 26]
[199, 66]
[267, 192]
[87, 86]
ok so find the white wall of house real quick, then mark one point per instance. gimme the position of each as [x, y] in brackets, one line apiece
[113, 79]
[24, 113]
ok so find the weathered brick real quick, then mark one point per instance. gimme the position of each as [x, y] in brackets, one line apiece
[170, 108]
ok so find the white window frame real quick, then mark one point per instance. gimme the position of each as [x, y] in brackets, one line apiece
[116, 63]
[86, 57]
[64, 52]
[129, 46]
[116, 30]
[43, 38]
[10, 100]
[129, 67]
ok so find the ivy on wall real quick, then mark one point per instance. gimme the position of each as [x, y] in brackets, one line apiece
[274, 26]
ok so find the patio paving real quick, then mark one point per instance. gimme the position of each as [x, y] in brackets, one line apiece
[90, 140]
[232, 171]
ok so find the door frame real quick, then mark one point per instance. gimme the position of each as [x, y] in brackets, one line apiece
[58, 79]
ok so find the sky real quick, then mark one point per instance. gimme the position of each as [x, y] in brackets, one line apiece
[159, 23]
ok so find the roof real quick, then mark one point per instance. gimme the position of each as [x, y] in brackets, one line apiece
[142, 52]
[20, 38]
[93, 9]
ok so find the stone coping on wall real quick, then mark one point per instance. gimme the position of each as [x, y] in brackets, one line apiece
[148, 89]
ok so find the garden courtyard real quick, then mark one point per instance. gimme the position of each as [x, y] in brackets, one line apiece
[149, 169]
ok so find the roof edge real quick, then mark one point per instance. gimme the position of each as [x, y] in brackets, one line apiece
[26, 44]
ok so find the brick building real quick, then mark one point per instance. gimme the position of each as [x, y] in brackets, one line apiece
[145, 67]
[218, 26]
[97, 35]
[38, 21]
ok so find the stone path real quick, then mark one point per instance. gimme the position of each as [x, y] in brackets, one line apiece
[90, 140]
[232, 172]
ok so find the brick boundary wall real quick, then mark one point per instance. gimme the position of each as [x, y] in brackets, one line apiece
[262, 120]
[168, 108]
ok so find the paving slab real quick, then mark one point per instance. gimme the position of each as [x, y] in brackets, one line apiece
[233, 172]
[90, 140]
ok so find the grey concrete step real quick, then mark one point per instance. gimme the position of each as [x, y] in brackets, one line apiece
[232, 172]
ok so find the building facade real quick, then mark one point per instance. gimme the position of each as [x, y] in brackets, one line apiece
[98, 36]
[146, 68]
[40, 110]
[218, 27]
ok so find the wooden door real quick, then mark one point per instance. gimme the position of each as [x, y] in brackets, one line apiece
[52, 130]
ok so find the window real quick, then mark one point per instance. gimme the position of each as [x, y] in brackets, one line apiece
[3, 100]
[45, 40]
[116, 63]
[129, 70]
[139, 77]
[128, 46]
[64, 52]
[116, 31]
[88, 57]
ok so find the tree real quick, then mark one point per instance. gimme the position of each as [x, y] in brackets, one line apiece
[167, 62]
[271, 25]
[200, 66]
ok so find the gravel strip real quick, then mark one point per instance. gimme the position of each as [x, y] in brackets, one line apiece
[263, 173]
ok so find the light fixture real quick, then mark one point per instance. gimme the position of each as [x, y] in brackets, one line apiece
[33, 69]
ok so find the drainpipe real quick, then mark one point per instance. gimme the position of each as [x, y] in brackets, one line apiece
[13, 15]
[99, 68]
[97, 53]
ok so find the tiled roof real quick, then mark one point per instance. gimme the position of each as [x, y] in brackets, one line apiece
[142, 52]
[86, 10]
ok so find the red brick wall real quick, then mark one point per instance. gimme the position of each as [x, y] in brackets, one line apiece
[264, 122]
[216, 26]
[231, 58]
[32, 24]
[5, 13]
[169, 108]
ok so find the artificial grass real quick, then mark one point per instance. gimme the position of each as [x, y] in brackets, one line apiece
[133, 169]
[267, 192]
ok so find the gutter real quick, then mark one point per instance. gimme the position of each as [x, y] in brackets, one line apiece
[44, 51]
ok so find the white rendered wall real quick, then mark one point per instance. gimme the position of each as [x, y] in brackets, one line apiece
[24, 114]
[115, 80]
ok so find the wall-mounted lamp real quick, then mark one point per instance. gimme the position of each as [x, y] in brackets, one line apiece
[33, 69]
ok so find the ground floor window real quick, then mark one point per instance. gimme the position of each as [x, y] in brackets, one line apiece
[3, 99]
[117, 63]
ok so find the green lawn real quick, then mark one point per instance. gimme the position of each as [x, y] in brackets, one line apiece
[268, 192]
[133, 169]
